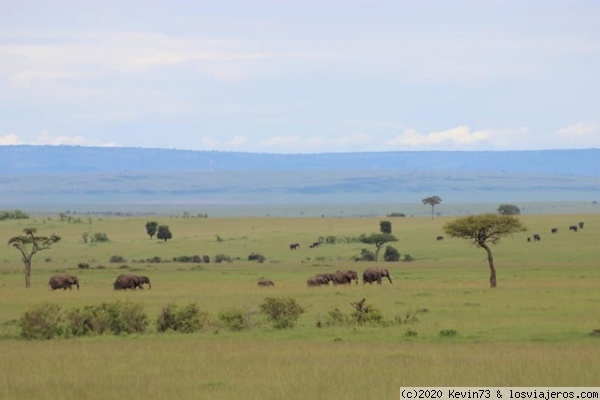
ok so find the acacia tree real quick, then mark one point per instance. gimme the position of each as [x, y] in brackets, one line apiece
[29, 244]
[483, 230]
[378, 239]
[432, 201]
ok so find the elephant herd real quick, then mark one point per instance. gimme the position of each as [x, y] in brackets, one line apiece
[370, 275]
[123, 282]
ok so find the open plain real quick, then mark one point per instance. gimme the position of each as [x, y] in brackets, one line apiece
[445, 326]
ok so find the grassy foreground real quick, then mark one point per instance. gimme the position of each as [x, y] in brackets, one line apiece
[533, 330]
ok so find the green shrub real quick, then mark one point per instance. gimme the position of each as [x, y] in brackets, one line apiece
[181, 319]
[43, 321]
[282, 312]
[116, 318]
[235, 319]
[336, 317]
[391, 254]
[365, 255]
[366, 314]
[99, 237]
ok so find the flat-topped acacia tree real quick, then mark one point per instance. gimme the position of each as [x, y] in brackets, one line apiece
[483, 230]
[29, 244]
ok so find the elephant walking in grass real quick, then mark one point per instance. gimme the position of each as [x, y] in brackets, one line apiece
[63, 281]
[132, 282]
[319, 279]
[265, 282]
[344, 277]
[374, 274]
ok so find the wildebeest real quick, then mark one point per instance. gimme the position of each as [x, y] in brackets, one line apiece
[554, 230]
[294, 246]
[537, 237]
[581, 223]
[573, 228]
[439, 238]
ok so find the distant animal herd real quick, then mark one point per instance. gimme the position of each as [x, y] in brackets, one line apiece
[536, 237]
[340, 277]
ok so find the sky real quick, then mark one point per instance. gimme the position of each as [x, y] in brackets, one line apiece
[301, 76]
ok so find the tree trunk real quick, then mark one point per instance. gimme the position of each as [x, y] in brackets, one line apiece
[27, 274]
[493, 281]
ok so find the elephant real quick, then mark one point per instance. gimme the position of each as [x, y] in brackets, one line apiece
[265, 282]
[63, 282]
[374, 274]
[344, 277]
[319, 279]
[132, 282]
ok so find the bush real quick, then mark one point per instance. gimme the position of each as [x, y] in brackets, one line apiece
[336, 317]
[117, 259]
[44, 321]
[365, 255]
[366, 314]
[116, 318]
[99, 237]
[235, 319]
[391, 254]
[282, 312]
[186, 319]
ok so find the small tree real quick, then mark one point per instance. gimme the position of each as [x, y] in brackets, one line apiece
[432, 201]
[151, 228]
[164, 233]
[508, 209]
[483, 230]
[385, 227]
[378, 239]
[29, 244]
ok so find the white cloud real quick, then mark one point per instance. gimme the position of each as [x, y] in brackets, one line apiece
[458, 136]
[580, 130]
[10, 139]
[46, 139]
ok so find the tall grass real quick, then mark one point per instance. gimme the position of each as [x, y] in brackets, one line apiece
[533, 330]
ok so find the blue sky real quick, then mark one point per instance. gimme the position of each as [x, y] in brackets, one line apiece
[301, 77]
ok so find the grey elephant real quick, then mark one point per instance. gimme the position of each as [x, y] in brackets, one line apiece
[319, 279]
[374, 274]
[132, 282]
[344, 277]
[63, 281]
[265, 282]
[143, 280]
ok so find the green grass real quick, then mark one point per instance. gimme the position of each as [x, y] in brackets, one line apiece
[533, 330]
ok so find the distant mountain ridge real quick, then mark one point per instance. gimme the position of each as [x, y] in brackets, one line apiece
[25, 159]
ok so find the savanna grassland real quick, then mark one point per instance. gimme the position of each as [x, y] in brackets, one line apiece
[535, 329]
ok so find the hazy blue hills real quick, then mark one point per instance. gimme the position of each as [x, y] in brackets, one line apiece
[74, 159]
[100, 178]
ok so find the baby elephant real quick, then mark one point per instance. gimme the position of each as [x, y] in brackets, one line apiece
[63, 281]
[265, 282]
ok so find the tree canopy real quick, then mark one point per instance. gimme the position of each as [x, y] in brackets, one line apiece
[378, 239]
[508, 209]
[29, 244]
[483, 230]
[432, 201]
